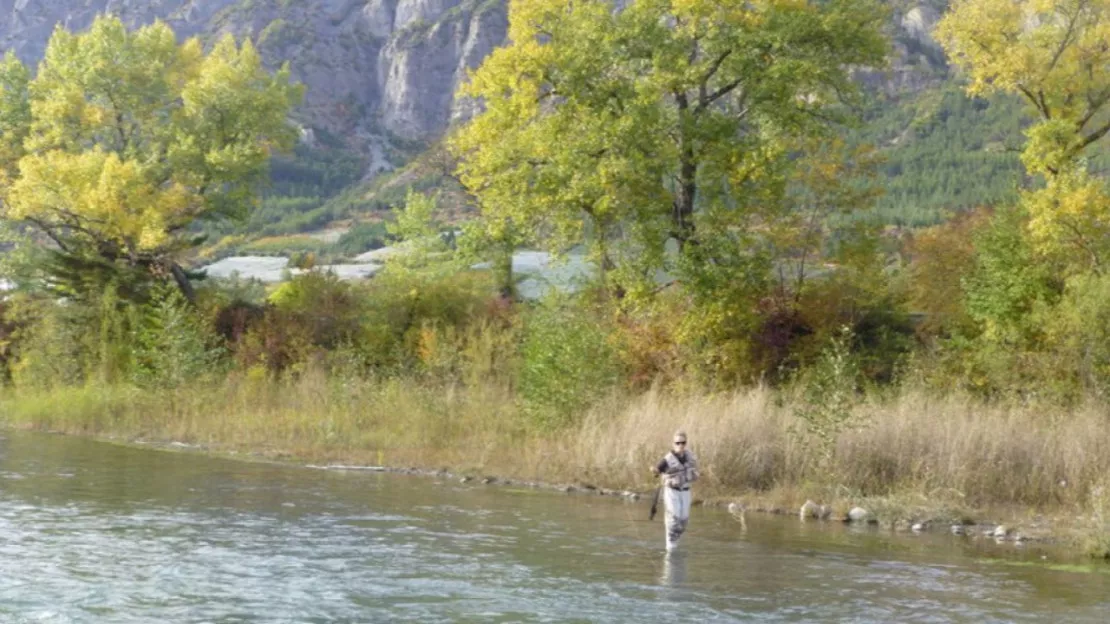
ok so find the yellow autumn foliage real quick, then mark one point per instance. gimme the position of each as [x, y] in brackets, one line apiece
[1056, 55]
[122, 138]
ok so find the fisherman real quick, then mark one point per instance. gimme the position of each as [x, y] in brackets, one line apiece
[679, 469]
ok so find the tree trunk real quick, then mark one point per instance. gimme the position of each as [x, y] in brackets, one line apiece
[183, 282]
[684, 197]
[682, 215]
[503, 267]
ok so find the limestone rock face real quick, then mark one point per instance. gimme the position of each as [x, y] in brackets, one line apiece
[423, 65]
[919, 22]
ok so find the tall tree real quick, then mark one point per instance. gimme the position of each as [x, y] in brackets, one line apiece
[123, 139]
[665, 119]
[1056, 55]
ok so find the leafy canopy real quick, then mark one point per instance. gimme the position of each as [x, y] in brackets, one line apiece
[1056, 55]
[123, 139]
[666, 119]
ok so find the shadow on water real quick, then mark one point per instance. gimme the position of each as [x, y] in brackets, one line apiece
[93, 532]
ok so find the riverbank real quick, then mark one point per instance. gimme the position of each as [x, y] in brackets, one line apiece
[914, 459]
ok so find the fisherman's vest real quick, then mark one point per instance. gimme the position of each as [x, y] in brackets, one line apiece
[679, 475]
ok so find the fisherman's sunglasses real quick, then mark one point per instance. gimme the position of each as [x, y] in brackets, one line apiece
[680, 441]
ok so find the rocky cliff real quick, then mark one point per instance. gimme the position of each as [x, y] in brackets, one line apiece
[383, 71]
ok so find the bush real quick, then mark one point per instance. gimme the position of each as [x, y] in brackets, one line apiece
[312, 313]
[567, 363]
[402, 304]
[647, 340]
[1077, 339]
[172, 344]
[63, 343]
[278, 342]
[326, 305]
[8, 328]
[479, 354]
[1008, 281]
[363, 237]
[829, 394]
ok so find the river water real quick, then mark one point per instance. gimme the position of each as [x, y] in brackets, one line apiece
[95, 532]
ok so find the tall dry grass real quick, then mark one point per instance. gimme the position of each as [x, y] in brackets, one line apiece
[932, 450]
[315, 417]
[941, 447]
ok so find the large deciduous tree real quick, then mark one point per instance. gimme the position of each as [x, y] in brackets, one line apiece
[123, 139]
[1056, 55]
[658, 120]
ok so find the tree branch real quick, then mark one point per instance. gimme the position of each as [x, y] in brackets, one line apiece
[48, 230]
[1063, 42]
[1038, 104]
[724, 90]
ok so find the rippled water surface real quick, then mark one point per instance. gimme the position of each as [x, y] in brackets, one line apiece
[93, 532]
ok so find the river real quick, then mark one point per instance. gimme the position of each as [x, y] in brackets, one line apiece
[97, 532]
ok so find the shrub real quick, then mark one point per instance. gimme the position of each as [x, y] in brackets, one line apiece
[64, 344]
[567, 362]
[829, 392]
[326, 305]
[363, 237]
[402, 304]
[172, 344]
[278, 342]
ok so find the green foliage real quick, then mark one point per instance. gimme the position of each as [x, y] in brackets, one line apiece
[1077, 329]
[172, 346]
[324, 305]
[942, 151]
[829, 392]
[662, 120]
[416, 224]
[51, 349]
[15, 114]
[59, 344]
[131, 138]
[402, 303]
[567, 363]
[1007, 281]
[363, 237]
[415, 221]
[725, 283]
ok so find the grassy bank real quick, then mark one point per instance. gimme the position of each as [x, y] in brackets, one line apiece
[914, 457]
